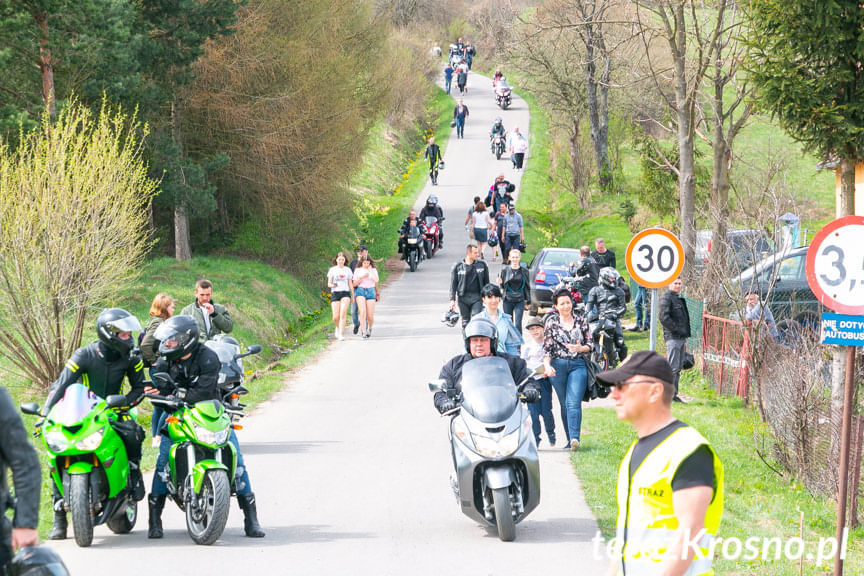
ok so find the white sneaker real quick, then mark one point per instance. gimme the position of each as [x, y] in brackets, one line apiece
[336, 333]
[339, 335]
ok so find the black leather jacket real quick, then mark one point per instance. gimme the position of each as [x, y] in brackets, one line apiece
[674, 316]
[435, 211]
[198, 374]
[17, 453]
[102, 370]
[457, 278]
[451, 373]
[588, 273]
[605, 300]
[403, 230]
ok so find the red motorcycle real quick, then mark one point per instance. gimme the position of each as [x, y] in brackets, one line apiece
[433, 236]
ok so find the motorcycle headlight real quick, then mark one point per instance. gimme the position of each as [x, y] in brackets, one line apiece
[91, 442]
[497, 448]
[56, 441]
[460, 429]
[210, 437]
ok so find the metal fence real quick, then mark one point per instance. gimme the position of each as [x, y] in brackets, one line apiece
[725, 355]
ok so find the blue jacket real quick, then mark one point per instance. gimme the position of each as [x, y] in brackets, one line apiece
[509, 339]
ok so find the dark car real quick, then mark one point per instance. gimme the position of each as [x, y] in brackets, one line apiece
[544, 272]
[781, 281]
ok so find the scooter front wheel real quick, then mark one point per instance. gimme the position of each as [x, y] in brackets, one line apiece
[504, 514]
[206, 517]
[79, 506]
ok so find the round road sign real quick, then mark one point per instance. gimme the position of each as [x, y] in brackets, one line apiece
[655, 257]
[835, 265]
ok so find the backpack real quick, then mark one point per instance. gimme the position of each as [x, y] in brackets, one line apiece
[625, 287]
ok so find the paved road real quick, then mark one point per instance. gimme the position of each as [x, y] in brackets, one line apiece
[350, 462]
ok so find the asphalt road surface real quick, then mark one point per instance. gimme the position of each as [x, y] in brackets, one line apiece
[350, 462]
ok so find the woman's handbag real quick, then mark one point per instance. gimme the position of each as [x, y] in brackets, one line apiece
[595, 388]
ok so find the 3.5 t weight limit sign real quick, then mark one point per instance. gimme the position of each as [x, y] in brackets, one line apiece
[835, 265]
[655, 257]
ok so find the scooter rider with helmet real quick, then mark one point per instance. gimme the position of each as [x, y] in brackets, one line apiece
[608, 297]
[481, 340]
[194, 368]
[497, 129]
[433, 209]
[101, 366]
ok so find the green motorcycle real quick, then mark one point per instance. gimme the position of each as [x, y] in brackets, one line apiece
[202, 462]
[88, 460]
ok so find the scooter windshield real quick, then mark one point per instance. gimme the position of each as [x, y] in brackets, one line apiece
[224, 350]
[488, 391]
[76, 403]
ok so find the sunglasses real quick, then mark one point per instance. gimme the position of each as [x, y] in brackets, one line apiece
[622, 385]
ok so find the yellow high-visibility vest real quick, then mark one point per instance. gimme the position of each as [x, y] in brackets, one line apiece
[647, 523]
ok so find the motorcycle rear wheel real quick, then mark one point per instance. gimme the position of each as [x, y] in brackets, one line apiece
[124, 523]
[79, 506]
[504, 514]
[206, 521]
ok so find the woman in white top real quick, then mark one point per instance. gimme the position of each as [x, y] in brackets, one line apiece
[339, 281]
[366, 293]
[480, 226]
[518, 148]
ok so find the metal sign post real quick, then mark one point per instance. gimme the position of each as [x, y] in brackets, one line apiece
[652, 335]
[835, 275]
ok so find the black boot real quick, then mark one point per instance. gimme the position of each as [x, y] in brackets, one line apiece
[156, 502]
[58, 532]
[250, 513]
[136, 481]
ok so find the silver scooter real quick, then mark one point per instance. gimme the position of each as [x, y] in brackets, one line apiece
[494, 452]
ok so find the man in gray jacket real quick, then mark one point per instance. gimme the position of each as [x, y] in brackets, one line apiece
[212, 318]
[17, 453]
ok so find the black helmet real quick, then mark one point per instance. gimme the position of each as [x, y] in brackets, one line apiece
[432, 200]
[177, 337]
[36, 561]
[111, 322]
[481, 327]
[498, 120]
[609, 277]
[450, 318]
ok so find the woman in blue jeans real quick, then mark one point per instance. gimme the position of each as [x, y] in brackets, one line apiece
[566, 339]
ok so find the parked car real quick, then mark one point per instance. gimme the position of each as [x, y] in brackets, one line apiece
[781, 282]
[744, 247]
[544, 272]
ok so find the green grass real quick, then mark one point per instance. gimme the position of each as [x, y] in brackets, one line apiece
[758, 502]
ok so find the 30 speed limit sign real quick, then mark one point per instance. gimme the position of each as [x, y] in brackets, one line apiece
[835, 265]
[655, 257]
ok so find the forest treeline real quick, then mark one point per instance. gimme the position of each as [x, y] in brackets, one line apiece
[256, 111]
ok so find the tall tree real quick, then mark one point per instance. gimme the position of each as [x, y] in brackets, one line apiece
[806, 62]
[690, 31]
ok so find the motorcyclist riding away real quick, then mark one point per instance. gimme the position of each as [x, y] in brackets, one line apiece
[497, 129]
[433, 209]
[194, 368]
[101, 366]
[608, 297]
[407, 224]
[481, 340]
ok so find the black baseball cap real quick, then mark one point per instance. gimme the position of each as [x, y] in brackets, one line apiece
[534, 321]
[642, 363]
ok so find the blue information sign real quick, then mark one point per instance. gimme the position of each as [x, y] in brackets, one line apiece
[842, 329]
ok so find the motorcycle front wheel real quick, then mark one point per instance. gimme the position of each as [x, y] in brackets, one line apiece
[205, 520]
[412, 261]
[504, 514]
[79, 506]
[498, 154]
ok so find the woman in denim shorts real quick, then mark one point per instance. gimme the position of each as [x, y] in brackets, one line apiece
[365, 293]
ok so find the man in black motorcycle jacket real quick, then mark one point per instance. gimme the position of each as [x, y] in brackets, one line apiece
[433, 209]
[608, 297]
[497, 130]
[586, 271]
[17, 454]
[195, 368]
[481, 340]
[101, 366]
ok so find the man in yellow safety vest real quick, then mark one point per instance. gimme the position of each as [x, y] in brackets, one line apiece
[670, 484]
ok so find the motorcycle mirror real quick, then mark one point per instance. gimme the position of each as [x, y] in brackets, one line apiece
[254, 349]
[31, 408]
[436, 385]
[115, 400]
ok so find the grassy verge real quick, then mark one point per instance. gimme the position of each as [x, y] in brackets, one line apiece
[758, 502]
